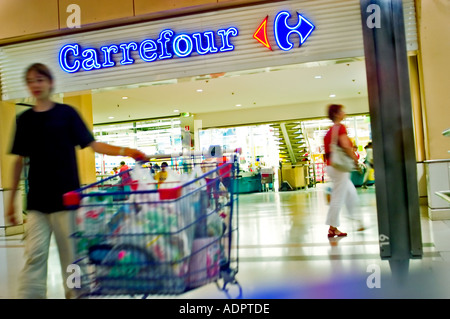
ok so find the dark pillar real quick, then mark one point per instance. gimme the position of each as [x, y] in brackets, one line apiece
[392, 132]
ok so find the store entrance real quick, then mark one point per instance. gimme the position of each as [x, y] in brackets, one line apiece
[256, 110]
[267, 164]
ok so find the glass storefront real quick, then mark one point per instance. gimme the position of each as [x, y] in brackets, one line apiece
[259, 142]
[358, 129]
[259, 148]
[162, 136]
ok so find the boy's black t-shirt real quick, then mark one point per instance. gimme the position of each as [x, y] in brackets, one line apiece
[49, 139]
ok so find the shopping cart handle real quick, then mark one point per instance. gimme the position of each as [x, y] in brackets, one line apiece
[214, 151]
[72, 199]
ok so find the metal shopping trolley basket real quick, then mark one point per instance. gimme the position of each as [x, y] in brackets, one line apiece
[159, 238]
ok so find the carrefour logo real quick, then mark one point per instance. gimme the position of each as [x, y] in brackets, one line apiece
[74, 57]
[284, 32]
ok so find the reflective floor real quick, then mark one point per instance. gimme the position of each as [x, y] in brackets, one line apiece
[284, 253]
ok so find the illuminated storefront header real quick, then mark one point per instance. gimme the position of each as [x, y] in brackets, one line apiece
[73, 57]
[251, 50]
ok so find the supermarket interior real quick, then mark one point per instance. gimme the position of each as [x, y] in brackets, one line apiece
[266, 148]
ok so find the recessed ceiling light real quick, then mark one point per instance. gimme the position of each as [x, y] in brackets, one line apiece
[318, 77]
[238, 104]
[124, 97]
[176, 111]
[332, 95]
[111, 117]
[199, 90]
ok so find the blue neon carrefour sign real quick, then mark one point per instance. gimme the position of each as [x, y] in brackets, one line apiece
[74, 57]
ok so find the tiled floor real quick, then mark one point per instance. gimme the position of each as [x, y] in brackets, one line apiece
[284, 253]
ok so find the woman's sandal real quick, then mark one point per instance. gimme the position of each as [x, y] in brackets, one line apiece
[335, 232]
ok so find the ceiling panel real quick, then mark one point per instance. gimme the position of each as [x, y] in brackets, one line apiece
[268, 87]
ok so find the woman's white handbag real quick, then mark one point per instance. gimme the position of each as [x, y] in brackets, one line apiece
[339, 158]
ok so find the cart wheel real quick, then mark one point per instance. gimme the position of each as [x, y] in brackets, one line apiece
[228, 277]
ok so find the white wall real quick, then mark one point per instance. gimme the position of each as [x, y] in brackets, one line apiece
[280, 112]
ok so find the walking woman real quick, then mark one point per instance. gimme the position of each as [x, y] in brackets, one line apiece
[343, 191]
[49, 132]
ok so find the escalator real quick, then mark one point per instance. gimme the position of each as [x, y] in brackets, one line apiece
[296, 167]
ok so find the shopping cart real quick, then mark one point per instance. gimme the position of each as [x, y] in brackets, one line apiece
[147, 238]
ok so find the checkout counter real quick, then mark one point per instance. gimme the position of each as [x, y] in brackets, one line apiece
[249, 182]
